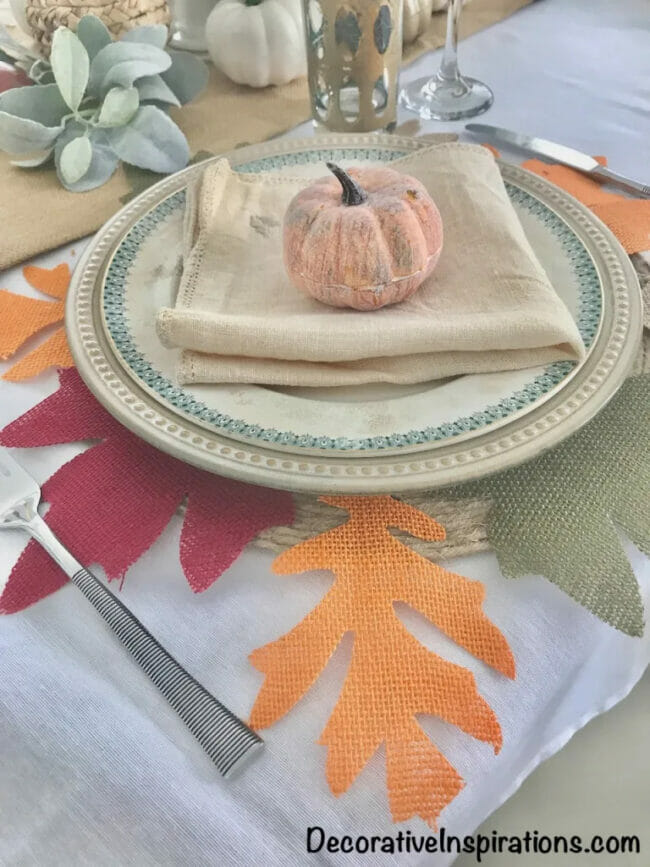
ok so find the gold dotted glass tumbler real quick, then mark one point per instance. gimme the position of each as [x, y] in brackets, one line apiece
[354, 49]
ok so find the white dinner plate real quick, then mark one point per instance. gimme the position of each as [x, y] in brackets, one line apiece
[366, 439]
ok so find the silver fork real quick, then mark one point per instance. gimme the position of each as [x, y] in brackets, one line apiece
[225, 738]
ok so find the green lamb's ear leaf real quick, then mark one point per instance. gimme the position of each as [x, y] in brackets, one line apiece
[151, 141]
[75, 159]
[119, 106]
[21, 136]
[187, 76]
[153, 88]
[34, 162]
[154, 34]
[38, 102]
[94, 34]
[121, 63]
[103, 162]
[70, 65]
[30, 118]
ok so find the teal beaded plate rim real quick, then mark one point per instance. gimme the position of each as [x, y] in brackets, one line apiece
[117, 324]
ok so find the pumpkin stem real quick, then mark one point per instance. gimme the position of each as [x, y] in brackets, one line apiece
[353, 194]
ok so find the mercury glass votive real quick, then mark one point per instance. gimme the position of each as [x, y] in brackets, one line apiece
[188, 23]
[354, 49]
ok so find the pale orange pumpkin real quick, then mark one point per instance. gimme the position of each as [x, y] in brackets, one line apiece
[363, 238]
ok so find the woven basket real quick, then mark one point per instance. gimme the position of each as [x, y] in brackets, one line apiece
[44, 16]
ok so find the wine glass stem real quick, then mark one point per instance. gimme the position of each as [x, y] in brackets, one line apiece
[449, 66]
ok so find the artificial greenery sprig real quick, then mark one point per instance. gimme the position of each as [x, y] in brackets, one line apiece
[97, 102]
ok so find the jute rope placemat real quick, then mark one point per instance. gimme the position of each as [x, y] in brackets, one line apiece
[43, 215]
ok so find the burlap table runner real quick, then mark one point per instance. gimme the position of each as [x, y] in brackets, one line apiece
[40, 215]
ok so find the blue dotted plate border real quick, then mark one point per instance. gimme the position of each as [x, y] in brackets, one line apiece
[590, 306]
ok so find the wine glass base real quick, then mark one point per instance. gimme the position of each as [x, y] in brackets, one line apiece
[440, 99]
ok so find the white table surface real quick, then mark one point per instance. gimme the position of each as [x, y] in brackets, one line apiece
[80, 723]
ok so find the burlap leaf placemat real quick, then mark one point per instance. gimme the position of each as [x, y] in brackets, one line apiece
[558, 515]
[220, 516]
[41, 215]
[390, 668]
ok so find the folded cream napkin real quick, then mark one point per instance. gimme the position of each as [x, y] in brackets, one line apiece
[488, 306]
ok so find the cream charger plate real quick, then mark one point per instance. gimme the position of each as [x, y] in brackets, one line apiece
[367, 439]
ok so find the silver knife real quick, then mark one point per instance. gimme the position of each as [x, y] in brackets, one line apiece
[560, 154]
[225, 738]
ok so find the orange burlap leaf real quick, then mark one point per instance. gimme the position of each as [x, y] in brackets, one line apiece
[629, 219]
[22, 317]
[54, 352]
[392, 677]
[492, 149]
[50, 281]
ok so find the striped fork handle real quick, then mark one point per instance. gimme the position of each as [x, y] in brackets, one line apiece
[224, 737]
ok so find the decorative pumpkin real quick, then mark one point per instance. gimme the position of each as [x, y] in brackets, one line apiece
[363, 239]
[258, 42]
[44, 16]
[416, 18]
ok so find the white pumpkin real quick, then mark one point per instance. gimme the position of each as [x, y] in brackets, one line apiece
[258, 42]
[18, 8]
[417, 16]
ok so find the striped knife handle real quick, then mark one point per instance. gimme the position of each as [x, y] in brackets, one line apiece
[224, 737]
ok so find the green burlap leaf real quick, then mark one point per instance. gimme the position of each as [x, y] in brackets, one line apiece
[557, 514]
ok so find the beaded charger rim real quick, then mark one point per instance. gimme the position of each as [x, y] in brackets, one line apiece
[173, 431]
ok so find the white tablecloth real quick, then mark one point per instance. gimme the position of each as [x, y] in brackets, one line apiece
[94, 768]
